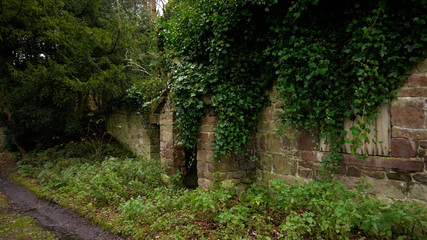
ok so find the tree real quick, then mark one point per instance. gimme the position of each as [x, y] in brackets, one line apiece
[57, 56]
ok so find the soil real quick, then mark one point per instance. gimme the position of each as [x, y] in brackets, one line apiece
[63, 223]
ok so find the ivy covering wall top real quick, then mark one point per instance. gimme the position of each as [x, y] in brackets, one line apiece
[332, 60]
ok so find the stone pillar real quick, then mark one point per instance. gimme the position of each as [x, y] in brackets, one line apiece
[228, 171]
[172, 156]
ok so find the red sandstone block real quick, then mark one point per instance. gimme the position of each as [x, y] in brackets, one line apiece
[204, 155]
[309, 156]
[401, 147]
[417, 80]
[412, 92]
[408, 113]
[305, 164]
[379, 162]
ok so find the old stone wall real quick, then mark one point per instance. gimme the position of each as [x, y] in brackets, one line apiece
[400, 175]
[142, 137]
[230, 171]
[2, 137]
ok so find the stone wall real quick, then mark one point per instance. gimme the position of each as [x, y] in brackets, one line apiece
[295, 156]
[142, 137]
[230, 171]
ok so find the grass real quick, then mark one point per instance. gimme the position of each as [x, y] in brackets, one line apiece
[124, 194]
[15, 226]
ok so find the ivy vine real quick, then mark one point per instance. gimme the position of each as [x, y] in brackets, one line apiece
[332, 60]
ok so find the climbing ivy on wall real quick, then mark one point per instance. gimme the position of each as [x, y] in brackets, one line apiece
[332, 60]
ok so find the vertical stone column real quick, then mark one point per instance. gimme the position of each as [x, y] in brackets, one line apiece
[228, 171]
[172, 155]
[205, 162]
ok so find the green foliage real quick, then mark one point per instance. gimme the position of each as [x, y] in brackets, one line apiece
[126, 196]
[60, 59]
[332, 60]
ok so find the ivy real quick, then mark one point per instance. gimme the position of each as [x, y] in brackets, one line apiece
[332, 60]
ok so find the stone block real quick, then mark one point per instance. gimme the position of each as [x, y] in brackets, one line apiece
[283, 165]
[308, 165]
[373, 174]
[418, 191]
[399, 132]
[384, 162]
[408, 113]
[422, 66]
[226, 166]
[382, 188]
[202, 166]
[412, 92]
[309, 156]
[402, 147]
[420, 178]
[353, 172]
[205, 183]
[304, 173]
[204, 155]
[417, 80]
[273, 142]
[399, 176]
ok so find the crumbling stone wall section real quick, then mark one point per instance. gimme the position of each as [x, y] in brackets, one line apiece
[172, 155]
[142, 137]
[227, 171]
[295, 156]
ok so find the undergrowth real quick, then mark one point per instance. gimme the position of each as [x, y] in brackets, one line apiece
[125, 195]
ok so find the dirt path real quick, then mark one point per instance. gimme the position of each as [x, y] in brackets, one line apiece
[58, 220]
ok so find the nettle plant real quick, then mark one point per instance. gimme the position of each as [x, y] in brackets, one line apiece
[332, 60]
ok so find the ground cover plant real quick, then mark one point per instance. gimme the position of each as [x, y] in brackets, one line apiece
[125, 195]
[15, 226]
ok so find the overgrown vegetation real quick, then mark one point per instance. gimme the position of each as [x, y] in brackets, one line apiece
[63, 59]
[126, 196]
[332, 60]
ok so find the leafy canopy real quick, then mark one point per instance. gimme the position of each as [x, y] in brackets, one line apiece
[60, 59]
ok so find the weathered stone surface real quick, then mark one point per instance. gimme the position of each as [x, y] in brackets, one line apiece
[309, 156]
[412, 92]
[399, 176]
[389, 189]
[422, 66]
[383, 162]
[228, 166]
[402, 147]
[417, 80]
[204, 155]
[353, 172]
[421, 178]
[304, 173]
[305, 164]
[373, 174]
[266, 162]
[205, 183]
[283, 165]
[408, 113]
[418, 191]
[399, 132]
[274, 143]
